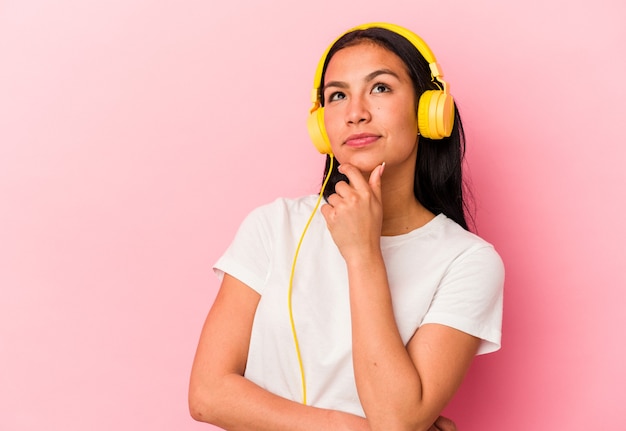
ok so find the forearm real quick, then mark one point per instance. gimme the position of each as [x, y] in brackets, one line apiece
[388, 382]
[219, 393]
[235, 403]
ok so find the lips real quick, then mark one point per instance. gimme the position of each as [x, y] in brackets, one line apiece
[360, 140]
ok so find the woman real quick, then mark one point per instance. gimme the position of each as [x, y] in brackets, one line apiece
[391, 297]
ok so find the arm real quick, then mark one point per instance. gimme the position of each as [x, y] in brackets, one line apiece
[401, 388]
[218, 392]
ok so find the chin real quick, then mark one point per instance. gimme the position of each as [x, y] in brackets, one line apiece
[364, 165]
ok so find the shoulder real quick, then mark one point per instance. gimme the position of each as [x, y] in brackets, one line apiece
[440, 235]
[284, 207]
[279, 214]
[471, 249]
[445, 247]
[446, 242]
[453, 231]
[472, 258]
[451, 234]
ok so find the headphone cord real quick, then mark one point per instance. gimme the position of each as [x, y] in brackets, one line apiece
[293, 269]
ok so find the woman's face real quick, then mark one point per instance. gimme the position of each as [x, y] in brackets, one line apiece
[369, 109]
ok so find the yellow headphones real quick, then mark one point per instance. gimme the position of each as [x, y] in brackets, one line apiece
[435, 111]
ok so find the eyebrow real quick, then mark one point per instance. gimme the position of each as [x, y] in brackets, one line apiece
[369, 77]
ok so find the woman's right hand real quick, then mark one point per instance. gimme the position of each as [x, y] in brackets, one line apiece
[443, 424]
[357, 423]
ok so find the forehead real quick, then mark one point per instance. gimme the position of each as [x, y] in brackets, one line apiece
[362, 58]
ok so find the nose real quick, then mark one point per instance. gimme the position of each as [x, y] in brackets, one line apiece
[358, 111]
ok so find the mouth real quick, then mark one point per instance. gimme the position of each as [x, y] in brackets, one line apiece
[361, 140]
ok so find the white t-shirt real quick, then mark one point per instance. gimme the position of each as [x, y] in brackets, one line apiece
[439, 273]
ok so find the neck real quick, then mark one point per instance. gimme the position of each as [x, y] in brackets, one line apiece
[402, 212]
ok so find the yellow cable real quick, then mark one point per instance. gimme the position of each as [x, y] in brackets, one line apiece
[293, 270]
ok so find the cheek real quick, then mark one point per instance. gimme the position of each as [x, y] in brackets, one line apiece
[405, 134]
[400, 123]
[409, 124]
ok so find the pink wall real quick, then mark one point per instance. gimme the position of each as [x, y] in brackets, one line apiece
[135, 135]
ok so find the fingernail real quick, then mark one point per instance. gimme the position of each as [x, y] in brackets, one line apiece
[382, 169]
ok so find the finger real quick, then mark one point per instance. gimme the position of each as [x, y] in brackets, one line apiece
[327, 211]
[342, 188]
[356, 178]
[375, 180]
[333, 200]
[445, 424]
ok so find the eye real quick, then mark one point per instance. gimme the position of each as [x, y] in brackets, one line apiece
[337, 95]
[380, 88]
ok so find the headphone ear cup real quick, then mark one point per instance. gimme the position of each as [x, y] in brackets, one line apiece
[435, 114]
[317, 131]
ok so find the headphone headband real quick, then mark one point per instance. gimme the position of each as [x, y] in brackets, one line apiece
[414, 39]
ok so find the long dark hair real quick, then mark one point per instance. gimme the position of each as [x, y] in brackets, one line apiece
[438, 184]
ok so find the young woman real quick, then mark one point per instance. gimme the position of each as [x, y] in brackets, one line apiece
[390, 298]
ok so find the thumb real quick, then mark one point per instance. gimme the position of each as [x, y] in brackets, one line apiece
[375, 180]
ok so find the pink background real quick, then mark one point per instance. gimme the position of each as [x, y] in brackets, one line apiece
[135, 135]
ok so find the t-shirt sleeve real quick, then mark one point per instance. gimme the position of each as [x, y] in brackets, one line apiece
[248, 256]
[470, 297]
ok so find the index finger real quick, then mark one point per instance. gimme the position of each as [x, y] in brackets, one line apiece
[356, 178]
